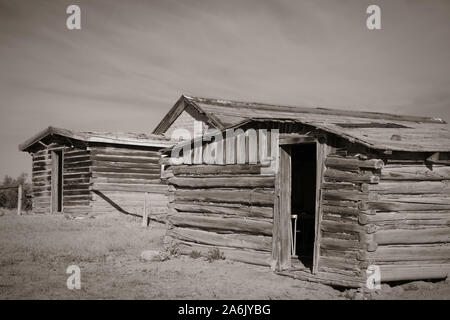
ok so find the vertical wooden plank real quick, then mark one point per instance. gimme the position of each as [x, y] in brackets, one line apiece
[54, 183]
[145, 213]
[187, 154]
[276, 245]
[252, 139]
[198, 153]
[262, 146]
[285, 208]
[230, 154]
[281, 244]
[219, 151]
[240, 147]
[19, 199]
[320, 168]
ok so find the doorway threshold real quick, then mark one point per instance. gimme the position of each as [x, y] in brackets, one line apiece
[300, 272]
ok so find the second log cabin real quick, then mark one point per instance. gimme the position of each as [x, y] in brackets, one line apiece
[89, 173]
[316, 194]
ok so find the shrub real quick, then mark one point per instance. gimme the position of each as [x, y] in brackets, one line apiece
[8, 197]
[195, 254]
[215, 254]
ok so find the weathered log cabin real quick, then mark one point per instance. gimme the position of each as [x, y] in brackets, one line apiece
[93, 172]
[317, 194]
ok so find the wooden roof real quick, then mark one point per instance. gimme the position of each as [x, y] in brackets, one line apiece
[381, 131]
[133, 139]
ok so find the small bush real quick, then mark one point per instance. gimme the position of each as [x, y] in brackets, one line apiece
[195, 254]
[8, 197]
[215, 254]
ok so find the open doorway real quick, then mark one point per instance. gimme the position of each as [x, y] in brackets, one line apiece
[57, 181]
[303, 202]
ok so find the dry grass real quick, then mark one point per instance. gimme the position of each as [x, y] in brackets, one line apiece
[35, 252]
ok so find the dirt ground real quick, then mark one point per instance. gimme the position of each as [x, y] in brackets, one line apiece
[35, 251]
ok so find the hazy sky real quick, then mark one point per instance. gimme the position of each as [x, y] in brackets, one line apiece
[132, 60]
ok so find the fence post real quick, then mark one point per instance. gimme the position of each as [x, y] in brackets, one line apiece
[145, 213]
[19, 200]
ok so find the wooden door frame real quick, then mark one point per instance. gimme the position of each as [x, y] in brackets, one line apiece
[57, 156]
[281, 244]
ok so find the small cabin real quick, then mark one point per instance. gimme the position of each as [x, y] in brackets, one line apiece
[316, 194]
[89, 173]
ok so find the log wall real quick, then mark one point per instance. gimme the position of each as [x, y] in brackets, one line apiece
[123, 179]
[229, 207]
[76, 174]
[409, 214]
[343, 239]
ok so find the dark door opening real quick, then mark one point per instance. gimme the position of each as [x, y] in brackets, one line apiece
[303, 202]
[57, 181]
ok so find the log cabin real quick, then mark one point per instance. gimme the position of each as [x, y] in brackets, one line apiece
[316, 194]
[88, 173]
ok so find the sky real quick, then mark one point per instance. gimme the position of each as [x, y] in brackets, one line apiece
[133, 59]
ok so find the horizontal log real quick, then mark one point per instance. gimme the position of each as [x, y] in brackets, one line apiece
[76, 170]
[353, 163]
[126, 175]
[415, 172]
[77, 192]
[431, 235]
[246, 256]
[153, 188]
[81, 164]
[125, 158]
[261, 243]
[341, 210]
[223, 209]
[333, 226]
[334, 217]
[75, 153]
[409, 252]
[402, 216]
[348, 195]
[98, 151]
[339, 244]
[417, 198]
[408, 187]
[405, 206]
[347, 176]
[139, 165]
[77, 159]
[414, 272]
[344, 186]
[125, 180]
[243, 196]
[223, 182]
[216, 169]
[126, 170]
[221, 224]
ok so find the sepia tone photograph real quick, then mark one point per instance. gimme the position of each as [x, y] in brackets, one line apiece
[232, 150]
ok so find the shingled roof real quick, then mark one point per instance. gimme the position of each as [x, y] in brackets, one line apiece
[375, 130]
[134, 139]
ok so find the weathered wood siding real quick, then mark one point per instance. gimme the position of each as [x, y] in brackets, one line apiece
[187, 122]
[76, 174]
[41, 181]
[409, 215]
[229, 207]
[121, 177]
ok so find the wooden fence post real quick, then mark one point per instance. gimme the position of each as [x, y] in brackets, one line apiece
[145, 213]
[19, 200]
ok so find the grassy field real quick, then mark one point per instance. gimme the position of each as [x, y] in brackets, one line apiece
[35, 251]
